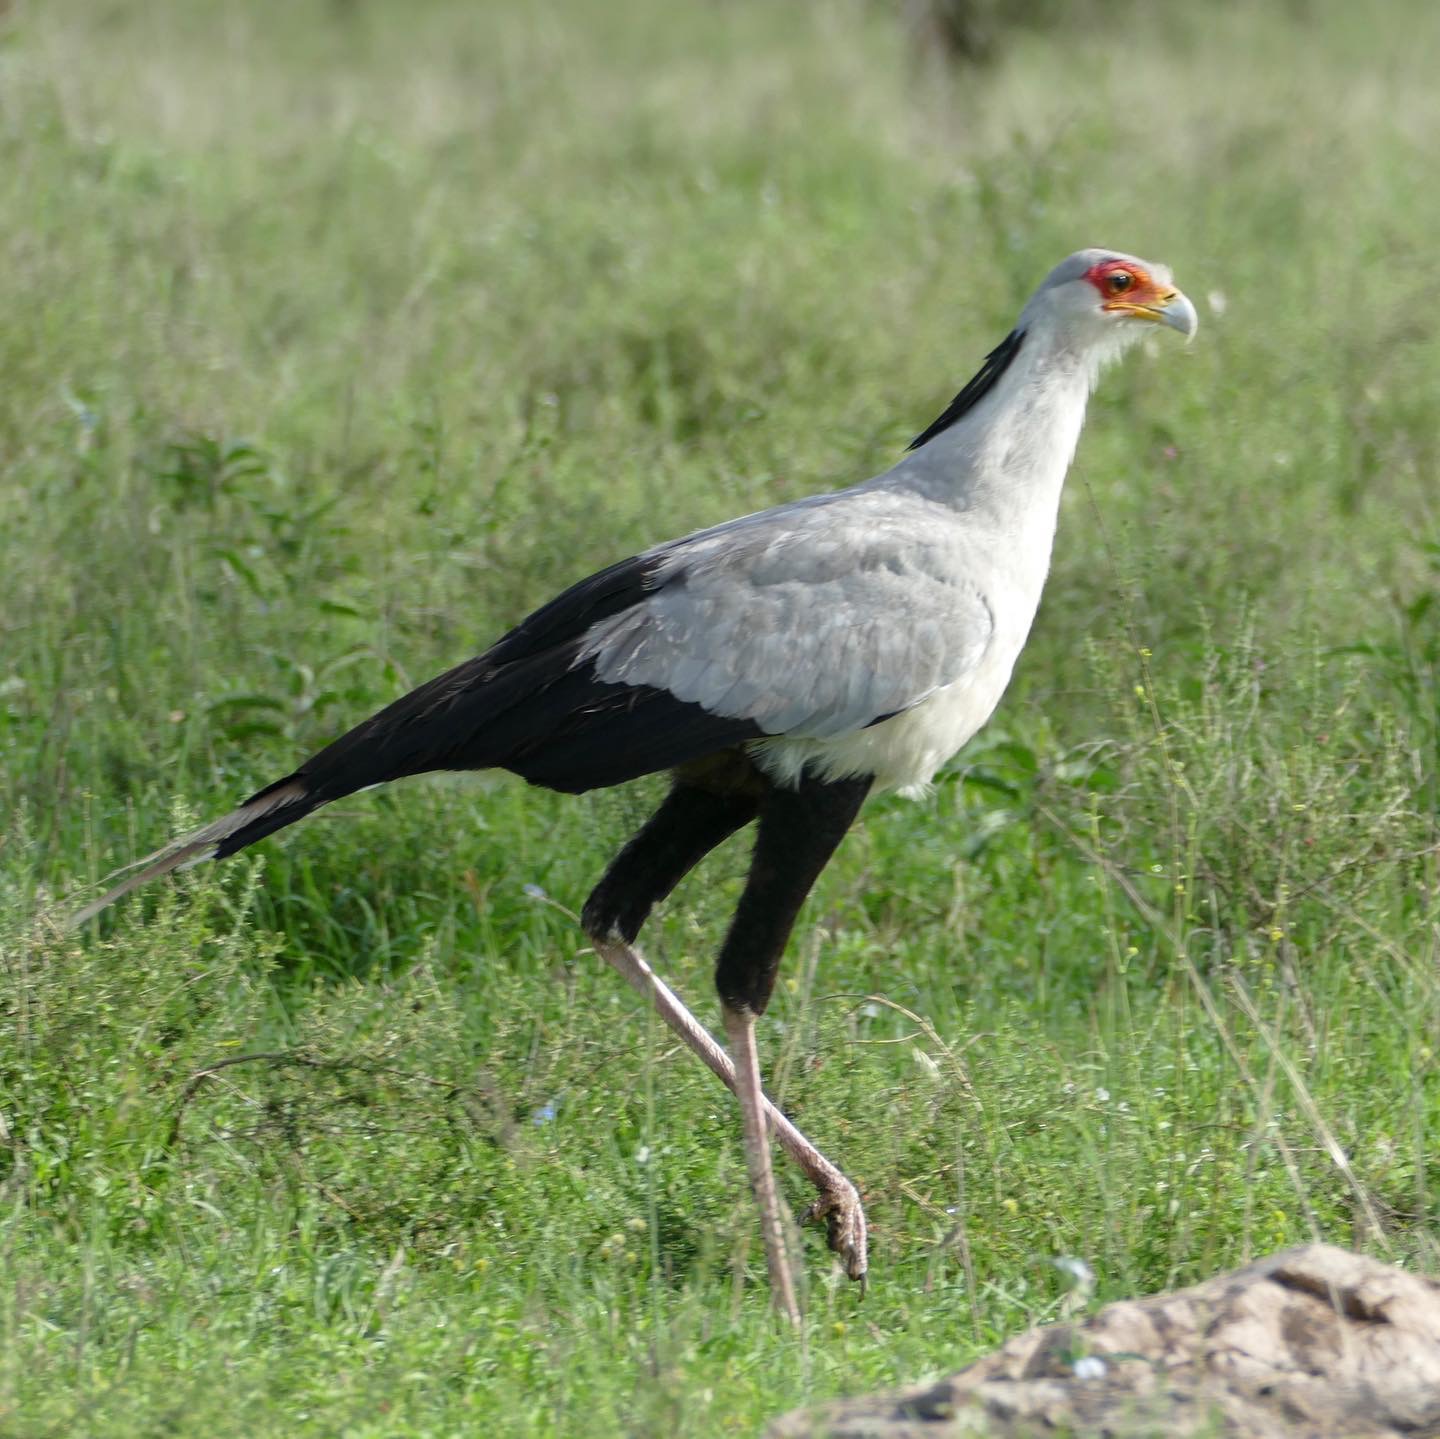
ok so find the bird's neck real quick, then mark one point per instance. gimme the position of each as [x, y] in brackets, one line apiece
[1007, 457]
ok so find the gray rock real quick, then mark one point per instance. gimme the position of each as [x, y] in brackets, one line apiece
[1311, 1343]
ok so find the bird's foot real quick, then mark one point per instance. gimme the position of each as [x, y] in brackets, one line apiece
[838, 1204]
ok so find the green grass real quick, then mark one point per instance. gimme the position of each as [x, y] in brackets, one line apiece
[335, 337]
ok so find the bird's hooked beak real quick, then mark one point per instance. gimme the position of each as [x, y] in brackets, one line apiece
[1165, 305]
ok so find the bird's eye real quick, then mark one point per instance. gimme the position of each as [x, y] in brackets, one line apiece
[1120, 281]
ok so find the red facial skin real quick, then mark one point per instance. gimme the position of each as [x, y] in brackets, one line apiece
[1141, 291]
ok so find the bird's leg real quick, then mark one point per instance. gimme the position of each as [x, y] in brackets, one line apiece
[686, 827]
[799, 830]
[694, 819]
[838, 1203]
[740, 1032]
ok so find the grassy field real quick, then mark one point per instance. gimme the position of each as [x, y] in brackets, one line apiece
[335, 337]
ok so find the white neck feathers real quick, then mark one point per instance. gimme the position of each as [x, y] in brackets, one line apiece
[1011, 451]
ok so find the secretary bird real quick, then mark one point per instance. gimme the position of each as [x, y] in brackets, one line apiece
[782, 666]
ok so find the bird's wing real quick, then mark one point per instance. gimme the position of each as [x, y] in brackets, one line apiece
[816, 619]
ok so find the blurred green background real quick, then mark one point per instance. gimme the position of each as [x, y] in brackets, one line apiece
[336, 335]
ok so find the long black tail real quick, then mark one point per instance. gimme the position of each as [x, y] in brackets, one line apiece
[256, 817]
[541, 715]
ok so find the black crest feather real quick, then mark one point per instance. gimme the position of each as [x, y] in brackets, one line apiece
[996, 363]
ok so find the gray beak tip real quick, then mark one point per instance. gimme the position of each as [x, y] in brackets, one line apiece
[1180, 315]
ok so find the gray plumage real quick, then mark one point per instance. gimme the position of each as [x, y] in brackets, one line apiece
[821, 619]
[812, 619]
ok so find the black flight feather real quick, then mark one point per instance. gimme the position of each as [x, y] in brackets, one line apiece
[529, 704]
[996, 363]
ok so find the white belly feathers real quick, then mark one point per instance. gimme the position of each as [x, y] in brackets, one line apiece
[904, 752]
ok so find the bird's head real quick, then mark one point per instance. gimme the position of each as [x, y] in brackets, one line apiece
[1101, 300]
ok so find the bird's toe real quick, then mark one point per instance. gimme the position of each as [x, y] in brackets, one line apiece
[845, 1227]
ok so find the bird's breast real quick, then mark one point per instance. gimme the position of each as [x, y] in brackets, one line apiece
[903, 752]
